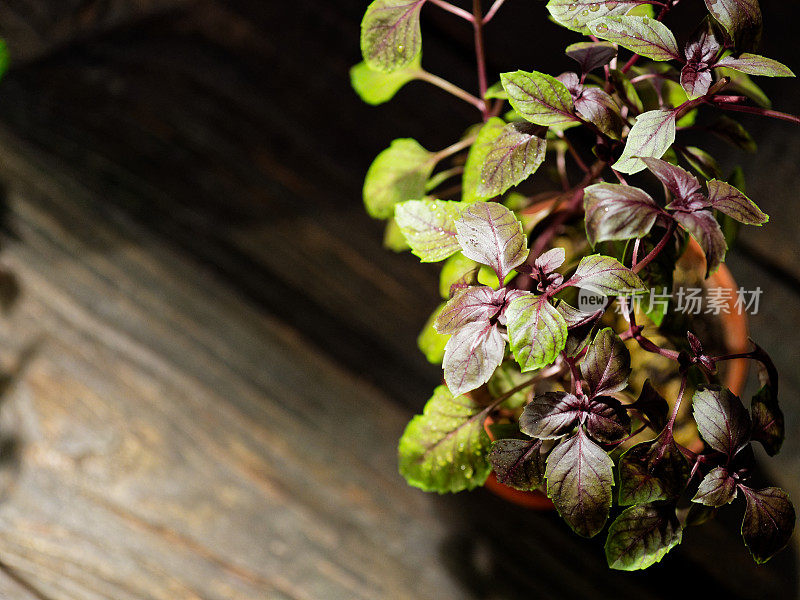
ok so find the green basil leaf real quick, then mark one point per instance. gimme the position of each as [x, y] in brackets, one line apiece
[429, 227]
[651, 136]
[390, 34]
[444, 449]
[397, 174]
[641, 536]
[539, 98]
[537, 331]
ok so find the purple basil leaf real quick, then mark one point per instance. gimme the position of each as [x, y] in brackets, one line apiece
[537, 331]
[734, 133]
[680, 183]
[575, 317]
[653, 406]
[649, 472]
[572, 82]
[617, 212]
[641, 536]
[607, 364]
[701, 52]
[592, 55]
[717, 489]
[551, 415]
[696, 79]
[492, 235]
[729, 200]
[605, 275]
[580, 327]
[470, 304]
[514, 156]
[768, 522]
[721, 419]
[768, 422]
[597, 107]
[518, 464]
[703, 227]
[550, 260]
[741, 19]
[753, 64]
[641, 35]
[694, 343]
[510, 296]
[471, 356]
[767, 372]
[607, 420]
[580, 336]
[579, 479]
[704, 44]
[694, 203]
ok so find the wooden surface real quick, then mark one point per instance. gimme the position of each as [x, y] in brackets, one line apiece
[210, 357]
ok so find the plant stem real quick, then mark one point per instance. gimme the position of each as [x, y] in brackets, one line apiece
[647, 76]
[677, 406]
[707, 98]
[619, 177]
[453, 9]
[544, 374]
[492, 11]
[730, 99]
[574, 203]
[578, 160]
[480, 54]
[757, 110]
[628, 65]
[650, 346]
[657, 250]
[561, 165]
[452, 149]
[445, 175]
[630, 437]
[452, 89]
[575, 377]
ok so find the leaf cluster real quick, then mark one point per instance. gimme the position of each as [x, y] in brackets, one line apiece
[536, 385]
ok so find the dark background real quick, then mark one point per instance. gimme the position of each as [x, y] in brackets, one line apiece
[182, 185]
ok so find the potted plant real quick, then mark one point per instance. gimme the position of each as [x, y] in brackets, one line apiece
[569, 366]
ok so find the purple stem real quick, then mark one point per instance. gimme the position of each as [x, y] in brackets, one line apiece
[477, 24]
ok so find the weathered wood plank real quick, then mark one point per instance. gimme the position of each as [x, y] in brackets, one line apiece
[177, 443]
[159, 99]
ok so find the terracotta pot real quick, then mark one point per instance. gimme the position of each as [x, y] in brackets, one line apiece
[734, 325]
